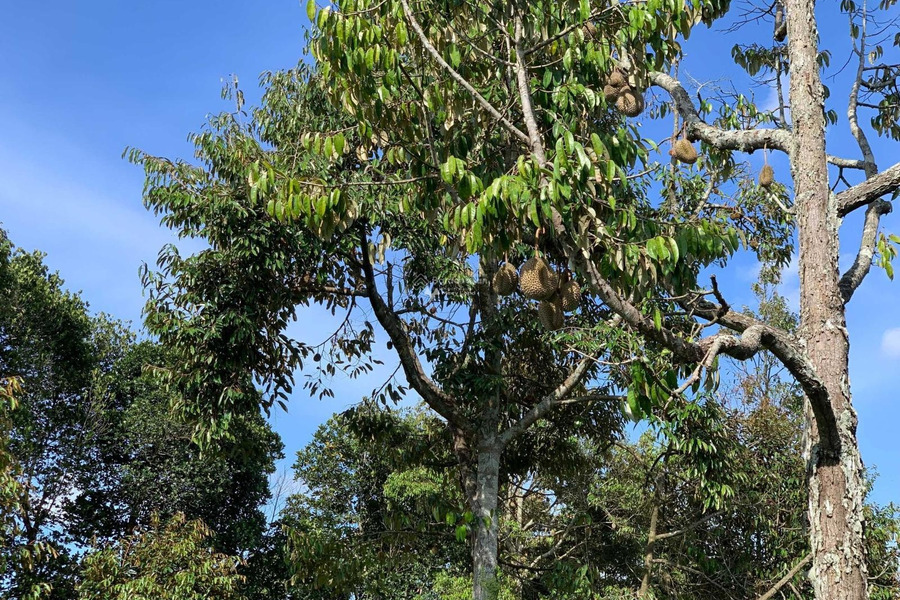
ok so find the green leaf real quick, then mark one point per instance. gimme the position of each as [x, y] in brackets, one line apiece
[461, 533]
[311, 10]
[584, 9]
[400, 34]
[533, 213]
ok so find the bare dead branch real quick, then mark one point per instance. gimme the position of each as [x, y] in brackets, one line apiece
[686, 529]
[786, 579]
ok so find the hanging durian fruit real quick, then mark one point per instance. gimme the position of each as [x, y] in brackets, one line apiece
[684, 151]
[506, 280]
[766, 176]
[615, 85]
[617, 78]
[569, 296]
[537, 280]
[611, 92]
[630, 102]
[550, 313]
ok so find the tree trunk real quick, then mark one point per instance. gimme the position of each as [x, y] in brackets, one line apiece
[484, 507]
[648, 552]
[489, 448]
[835, 474]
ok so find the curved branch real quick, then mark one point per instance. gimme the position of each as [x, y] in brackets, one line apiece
[745, 140]
[863, 262]
[755, 337]
[547, 403]
[436, 398]
[794, 358]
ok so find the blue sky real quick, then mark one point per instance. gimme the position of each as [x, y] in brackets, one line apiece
[81, 81]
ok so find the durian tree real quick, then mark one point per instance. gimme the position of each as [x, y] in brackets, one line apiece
[493, 121]
[480, 344]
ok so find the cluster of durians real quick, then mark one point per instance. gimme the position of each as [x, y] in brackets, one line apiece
[538, 281]
[628, 101]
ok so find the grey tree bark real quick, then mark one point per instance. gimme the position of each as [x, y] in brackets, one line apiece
[836, 487]
[484, 508]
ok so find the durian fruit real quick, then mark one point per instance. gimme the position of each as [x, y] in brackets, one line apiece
[537, 280]
[766, 176]
[611, 93]
[617, 79]
[550, 313]
[684, 151]
[569, 295]
[506, 280]
[630, 103]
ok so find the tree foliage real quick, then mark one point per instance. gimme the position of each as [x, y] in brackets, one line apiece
[93, 450]
[171, 560]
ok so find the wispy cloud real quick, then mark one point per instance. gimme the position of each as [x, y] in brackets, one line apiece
[771, 100]
[790, 283]
[890, 343]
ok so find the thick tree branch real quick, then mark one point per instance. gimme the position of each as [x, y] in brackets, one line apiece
[442, 403]
[791, 356]
[745, 140]
[854, 276]
[548, 402]
[868, 191]
[487, 106]
[534, 134]
[755, 338]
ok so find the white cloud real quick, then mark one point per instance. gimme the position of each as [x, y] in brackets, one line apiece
[790, 283]
[771, 100]
[890, 343]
